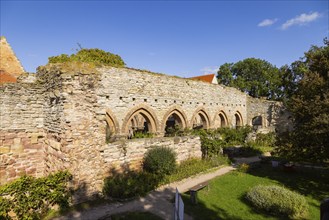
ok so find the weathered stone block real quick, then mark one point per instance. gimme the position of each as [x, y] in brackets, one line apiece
[54, 144]
[34, 138]
[4, 149]
[17, 148]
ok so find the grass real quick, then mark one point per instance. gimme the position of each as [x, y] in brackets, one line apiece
[225, 198]
[134, 216]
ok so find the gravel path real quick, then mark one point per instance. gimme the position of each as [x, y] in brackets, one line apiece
[158, 202]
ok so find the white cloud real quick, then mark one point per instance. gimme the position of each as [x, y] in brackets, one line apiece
[267, 22]
[301, 20]
[209, 70]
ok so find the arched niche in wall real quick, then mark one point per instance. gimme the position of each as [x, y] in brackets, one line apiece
[111, 126]
[257, 122]
[200, 119]
[174, 118]
[140, 119]
[221, 119]
[238, 119]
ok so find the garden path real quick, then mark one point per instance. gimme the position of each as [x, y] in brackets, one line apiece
[158, 202]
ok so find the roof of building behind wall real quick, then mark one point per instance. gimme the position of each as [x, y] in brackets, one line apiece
[206, 78]
[10, 66]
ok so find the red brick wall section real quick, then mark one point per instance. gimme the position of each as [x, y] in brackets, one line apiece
[21, 153]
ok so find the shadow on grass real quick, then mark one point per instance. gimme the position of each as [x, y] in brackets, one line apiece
[306, 181]
[200, 211]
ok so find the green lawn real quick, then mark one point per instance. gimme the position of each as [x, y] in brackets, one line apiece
[225, 198]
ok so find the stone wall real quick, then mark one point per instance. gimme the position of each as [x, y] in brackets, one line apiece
[21, 131]
[21, 152]
[124, 91]
[131, 152]
[22, 106]
[58, 119]
[274, 115]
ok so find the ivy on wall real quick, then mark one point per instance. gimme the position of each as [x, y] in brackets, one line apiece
[31, 198]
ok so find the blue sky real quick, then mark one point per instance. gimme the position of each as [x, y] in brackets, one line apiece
[183, 38]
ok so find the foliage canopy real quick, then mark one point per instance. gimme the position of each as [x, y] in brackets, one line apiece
[254, 76]
[309, 105]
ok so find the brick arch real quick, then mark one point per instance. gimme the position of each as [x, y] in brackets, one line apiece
[222, 116]
[176, 109]
[204, 114]
[147, 112]
[238, 119]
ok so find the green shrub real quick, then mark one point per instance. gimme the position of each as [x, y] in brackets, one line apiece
[160, 160]
[129, 185]
[139, 134]
[172, 131]
[95, 56]
[266, 140]
[243, 168]
[213, 141]
[211, 147]
[32, 198]
[234, 136]
[278, 201]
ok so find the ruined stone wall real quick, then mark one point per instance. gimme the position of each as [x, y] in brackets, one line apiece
[59, 120]
[30, 127]
[124, 90]
[21, 152]
[56, 157]
[22, 106]
[274, 114]
[131, 152]
[21, 131]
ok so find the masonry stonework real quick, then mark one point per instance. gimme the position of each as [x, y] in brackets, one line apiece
[58, 119]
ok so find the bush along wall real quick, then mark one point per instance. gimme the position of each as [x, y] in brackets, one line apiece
[32, 198]
[159, 168]
[214, 141]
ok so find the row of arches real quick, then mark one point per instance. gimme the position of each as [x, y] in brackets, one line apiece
[143, 119]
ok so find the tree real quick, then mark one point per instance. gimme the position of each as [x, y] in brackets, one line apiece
[254, 76]
[291, 75]
[95, 56]
[309, 105]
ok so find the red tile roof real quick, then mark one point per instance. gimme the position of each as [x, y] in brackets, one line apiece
[205, 78]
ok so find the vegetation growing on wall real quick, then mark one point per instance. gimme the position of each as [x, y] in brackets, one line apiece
[95, 56]
[31, 198]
